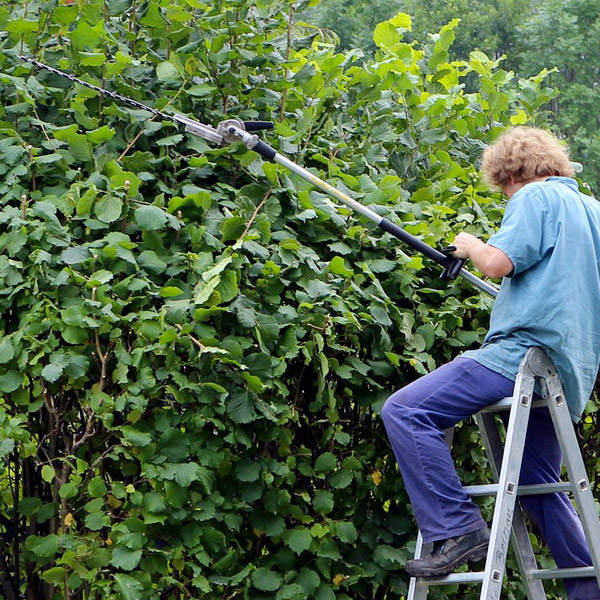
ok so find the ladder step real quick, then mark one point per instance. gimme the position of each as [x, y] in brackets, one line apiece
[477, 576]
[453, 578]
[491, 489]
[506, 403]
[562, 573]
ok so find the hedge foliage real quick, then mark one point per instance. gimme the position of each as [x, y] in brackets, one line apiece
[195, 344]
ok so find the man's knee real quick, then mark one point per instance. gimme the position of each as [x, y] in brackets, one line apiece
[394, 410]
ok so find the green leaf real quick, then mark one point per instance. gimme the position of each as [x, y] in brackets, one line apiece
[6, 447]
[232, 228]
[11, 381]
[97, 487]
[183, 474]
[338, 267]
[128, 587]
[325, 593]
[55, 575]
[68, 490]
[136, 437]
[299, 540]
[75, 315]
[241, 408]
[126, 559]
[101, 135]
[346, 531]
[150, 218]
[48, 473]
[217, 269]
[323, 502]
[149, 260]
[29, 506]
[80, 148]
[340, 479]
[92, 59]
[95, 521]
[248, 470]
[389, 557]
[43, 546]
[108, 208]
[22, 26]
[76, 255]
[52, 372]
[170, 292]
[200, 90]
[385, 35]
[266, 580]
[170, 140]
[402, 21]
[7, 352]
[325, 463]
[154, 502]
[309, 580]
[86, 36]
[167, 72]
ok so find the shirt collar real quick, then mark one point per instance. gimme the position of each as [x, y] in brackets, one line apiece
[568, 181]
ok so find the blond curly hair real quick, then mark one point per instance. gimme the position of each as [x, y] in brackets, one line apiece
[523, 154]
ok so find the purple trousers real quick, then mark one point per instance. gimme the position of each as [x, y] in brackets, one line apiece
[415, 418]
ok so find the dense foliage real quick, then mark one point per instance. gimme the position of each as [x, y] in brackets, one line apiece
[195, 344]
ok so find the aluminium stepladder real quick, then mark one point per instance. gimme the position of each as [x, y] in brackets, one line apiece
[505, 463]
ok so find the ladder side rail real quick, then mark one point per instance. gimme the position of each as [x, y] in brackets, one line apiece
[508, 483]
[520, 536]
[573, 461]
[418, 587]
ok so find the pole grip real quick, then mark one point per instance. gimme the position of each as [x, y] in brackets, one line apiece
[452, 265]
[258, 125]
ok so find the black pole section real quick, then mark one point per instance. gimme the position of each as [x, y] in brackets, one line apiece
[258, 125]
[416, 243]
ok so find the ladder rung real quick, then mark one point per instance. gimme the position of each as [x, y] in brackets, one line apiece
[470, 577]
[562, 573]
[491, 489]
[477, 576]
[506, 403]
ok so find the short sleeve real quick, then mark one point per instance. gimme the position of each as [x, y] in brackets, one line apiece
[521, 234]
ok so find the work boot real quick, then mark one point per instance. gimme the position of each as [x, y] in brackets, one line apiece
[449, 554]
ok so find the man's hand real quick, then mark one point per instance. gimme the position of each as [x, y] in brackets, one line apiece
[464, 243]
[489, 260]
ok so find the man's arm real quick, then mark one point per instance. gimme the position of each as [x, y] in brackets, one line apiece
[489, 260]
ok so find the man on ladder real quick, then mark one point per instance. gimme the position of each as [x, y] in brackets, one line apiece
[548, 252]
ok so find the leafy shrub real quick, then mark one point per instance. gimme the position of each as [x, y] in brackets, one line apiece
[196, 344]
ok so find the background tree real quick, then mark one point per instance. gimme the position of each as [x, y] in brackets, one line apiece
[529, 35]
[570, 46]
[352, 21]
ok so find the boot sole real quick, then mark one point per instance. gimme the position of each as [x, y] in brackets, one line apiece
[472, 555]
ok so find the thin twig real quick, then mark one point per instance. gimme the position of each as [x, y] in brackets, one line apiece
[254, 215]
[197, 342]
[43, 128]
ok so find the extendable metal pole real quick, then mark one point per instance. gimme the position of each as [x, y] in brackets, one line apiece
[254, 143]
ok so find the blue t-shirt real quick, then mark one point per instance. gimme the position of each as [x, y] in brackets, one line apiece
[551, 233]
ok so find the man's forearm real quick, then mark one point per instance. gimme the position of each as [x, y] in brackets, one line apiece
[488, 260]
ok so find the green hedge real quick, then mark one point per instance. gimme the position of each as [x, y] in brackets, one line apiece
[195, 345]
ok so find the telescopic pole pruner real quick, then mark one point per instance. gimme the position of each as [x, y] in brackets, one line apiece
[232, 130]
